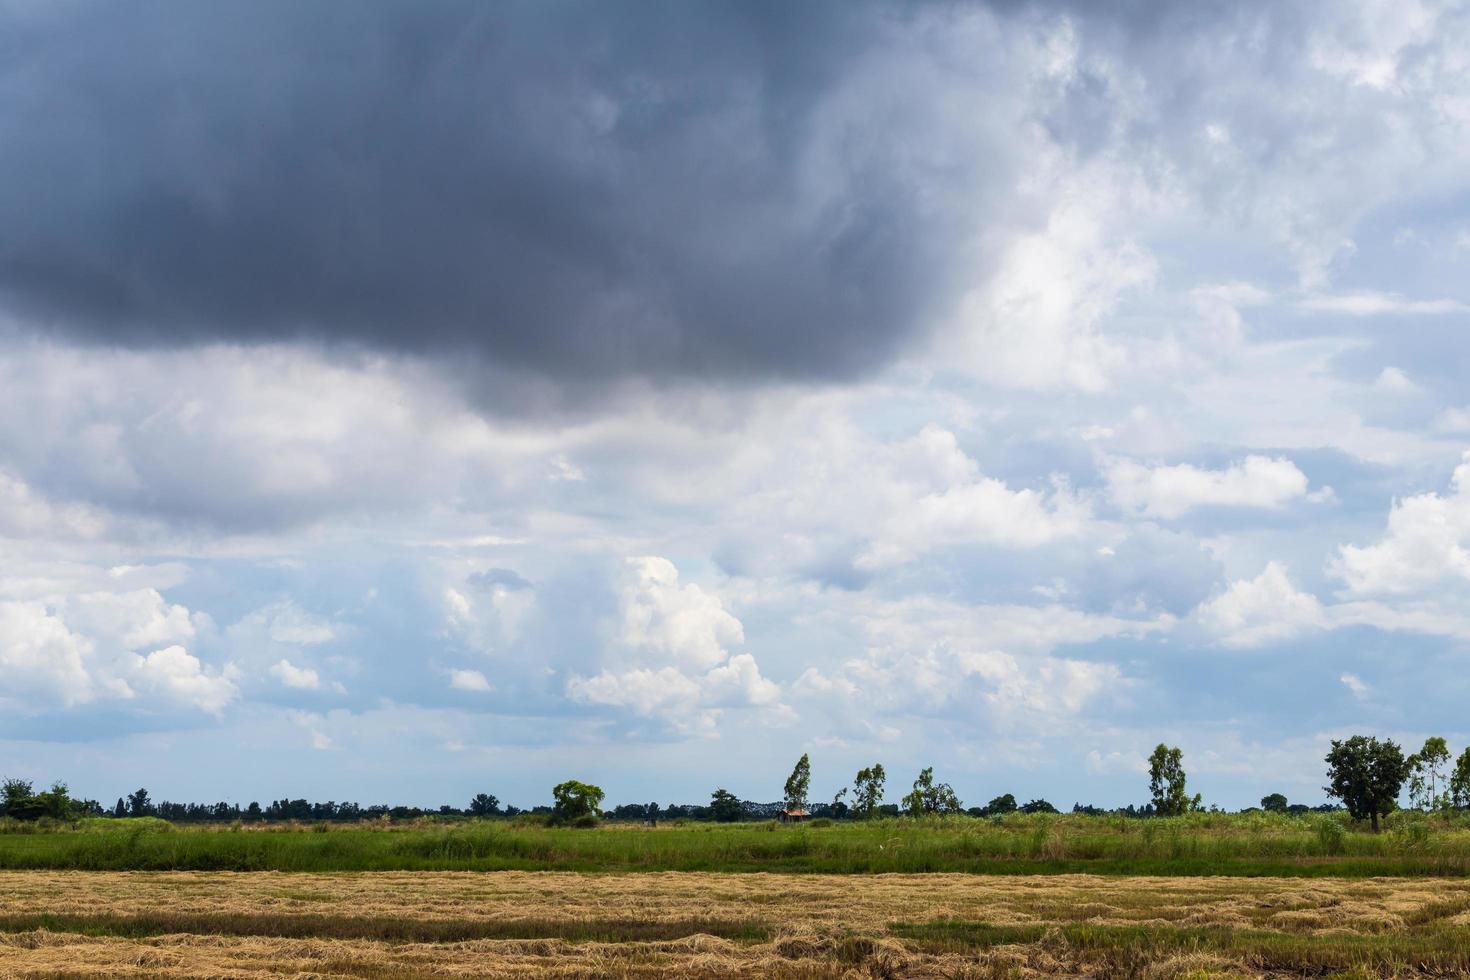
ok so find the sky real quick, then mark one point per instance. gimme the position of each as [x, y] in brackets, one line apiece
[405, 401]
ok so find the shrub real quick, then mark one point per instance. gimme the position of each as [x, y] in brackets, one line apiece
[1331, 836]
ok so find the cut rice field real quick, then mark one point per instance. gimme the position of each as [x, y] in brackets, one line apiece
[674, 924]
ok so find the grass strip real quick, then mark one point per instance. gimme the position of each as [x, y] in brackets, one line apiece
[1117, 947]
[392, 930]
[1213, 845]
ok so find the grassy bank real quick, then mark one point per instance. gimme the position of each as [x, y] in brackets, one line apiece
[1127, 950]
[1203, 844]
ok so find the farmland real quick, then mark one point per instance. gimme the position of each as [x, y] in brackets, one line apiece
[1205, 895]
[394, 925]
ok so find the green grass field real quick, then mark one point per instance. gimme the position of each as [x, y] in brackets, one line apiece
[1201, 844]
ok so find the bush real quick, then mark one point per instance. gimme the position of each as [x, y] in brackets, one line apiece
[1331, 836]
[821, 822]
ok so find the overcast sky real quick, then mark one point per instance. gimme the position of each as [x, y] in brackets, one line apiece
[401, 401]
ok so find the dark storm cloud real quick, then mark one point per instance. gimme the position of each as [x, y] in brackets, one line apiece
[584, 191]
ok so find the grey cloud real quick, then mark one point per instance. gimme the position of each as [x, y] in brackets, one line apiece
[505, 578]
[578, 191]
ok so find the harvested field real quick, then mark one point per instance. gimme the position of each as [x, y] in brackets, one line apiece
[195, 924]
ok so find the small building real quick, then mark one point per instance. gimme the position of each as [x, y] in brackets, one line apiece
[796, 815]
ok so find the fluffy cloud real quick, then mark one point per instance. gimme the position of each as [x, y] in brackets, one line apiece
[945, 501]
[1261, 610]
[674, 663]
[993, 666]
[1427, 543]
[679, 621]
[73, 635]
[40, 655]
[300, 678]
[1172, 491]
[177, 674]
[469, 680]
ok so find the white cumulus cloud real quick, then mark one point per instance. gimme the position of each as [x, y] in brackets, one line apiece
[1172, 491]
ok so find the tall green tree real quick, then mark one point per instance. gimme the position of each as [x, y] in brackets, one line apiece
[484, 805]
[1001, 805]
[576, 803]
[929, 797]
[840, 809]
[798, 784]
[139, 805]
[1274, 803]
[1427, 782]
[1166, 782]
[1460, 782]
[724, 806]
[867, 790]
[13, 794]
[1366, 775]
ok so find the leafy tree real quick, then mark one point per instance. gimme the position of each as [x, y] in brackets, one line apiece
[1427, 774]
[121, 810]
[1038, 806]
[1460, 781]
[1005, 803]
[13, 795]
[21, 802]
[867, 790]
[1274, 803]
[484, 805]
[839, 804]
[1166, 782]
[576, 803]
[139, 805]
[930, 797]
[797, 784]
[725, 807]
[1366, 775]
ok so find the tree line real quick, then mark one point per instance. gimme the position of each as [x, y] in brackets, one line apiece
[1365, 774]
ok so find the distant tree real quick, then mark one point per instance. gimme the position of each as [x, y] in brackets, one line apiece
[139, 805]
[1460, 782]
[1038, 806]
[1003, 804]
[725, 807]
[121, 810]
[13, 795]
[21, 802]
[839, 804]
[1088, 809]
[1366, 775]
[484, 805]
[1274, 803]
[653, 814]
[1166, 782]
[1427, 775]
[576, 803]
[1297, 809]
[867, 790]
[797, 784]
[928, 796]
